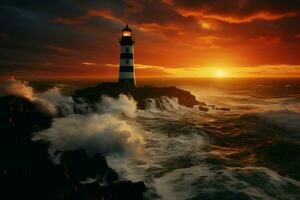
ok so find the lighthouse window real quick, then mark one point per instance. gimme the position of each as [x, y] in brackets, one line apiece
[126, 33]
[127, 61]
[127, 50]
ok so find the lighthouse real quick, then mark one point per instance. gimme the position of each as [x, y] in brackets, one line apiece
[126, 70]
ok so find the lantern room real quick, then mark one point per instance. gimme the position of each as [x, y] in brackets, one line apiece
[126, 32]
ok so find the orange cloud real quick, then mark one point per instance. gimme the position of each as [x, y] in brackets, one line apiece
[205, 25]
[104, 13]
[61, 50]
[88, 63]
[167, 29]
[266, 40]
[208, 42]
[232, 18]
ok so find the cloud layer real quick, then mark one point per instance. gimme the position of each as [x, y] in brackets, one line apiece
[54, 39]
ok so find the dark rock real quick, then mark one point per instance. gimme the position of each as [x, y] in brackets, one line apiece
[140, 94]
[125, 190]
[111, 176]
[27, 173]
[19, 115]
[203, 108]
[223, 109]
[81, 166]
[214, 107]
[19, 119]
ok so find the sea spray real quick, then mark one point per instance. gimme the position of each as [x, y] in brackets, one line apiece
[97, 133]
[122, 105]
[16, 88]
[52, 101]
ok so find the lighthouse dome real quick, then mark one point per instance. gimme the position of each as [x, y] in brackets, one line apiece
[127, 28]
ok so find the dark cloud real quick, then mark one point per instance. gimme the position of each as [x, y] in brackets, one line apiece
[52, 8]
[30, 37]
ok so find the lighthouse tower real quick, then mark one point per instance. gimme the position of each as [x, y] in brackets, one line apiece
[126, 71]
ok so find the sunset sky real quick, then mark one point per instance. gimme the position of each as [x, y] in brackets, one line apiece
[174, 38]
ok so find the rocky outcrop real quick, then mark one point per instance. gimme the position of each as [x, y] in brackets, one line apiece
[140, 94]
[27, 173]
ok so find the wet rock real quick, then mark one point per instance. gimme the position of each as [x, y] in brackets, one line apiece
[203, 108]
[140, 94]
[214, 107]
[19, 115]
[81, 166]
[223, 109]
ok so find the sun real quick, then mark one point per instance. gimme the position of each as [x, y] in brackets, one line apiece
[220, 73]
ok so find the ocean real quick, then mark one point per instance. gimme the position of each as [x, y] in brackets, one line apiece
[251, 151]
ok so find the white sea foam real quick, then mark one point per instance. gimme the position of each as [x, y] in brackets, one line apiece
[97, 133]
[168, 185]
[125, 105]
[285, 119]
[164, 104]
[105, 131]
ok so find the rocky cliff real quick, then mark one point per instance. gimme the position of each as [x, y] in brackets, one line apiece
[26, 172]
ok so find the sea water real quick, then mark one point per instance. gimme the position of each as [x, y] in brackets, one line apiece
[249, 152]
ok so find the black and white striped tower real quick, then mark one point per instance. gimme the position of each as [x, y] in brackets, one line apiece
[126, 71]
